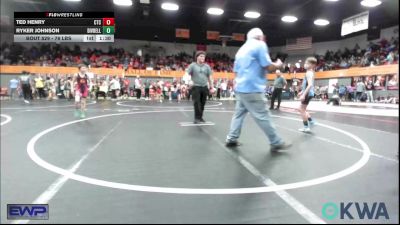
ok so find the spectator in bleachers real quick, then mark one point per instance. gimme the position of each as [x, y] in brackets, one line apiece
[390, 58]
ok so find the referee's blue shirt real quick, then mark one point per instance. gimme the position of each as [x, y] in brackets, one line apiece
[250, 63]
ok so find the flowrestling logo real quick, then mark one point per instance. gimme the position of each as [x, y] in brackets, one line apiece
[355, 210]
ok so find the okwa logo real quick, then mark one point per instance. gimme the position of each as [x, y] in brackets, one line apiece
[364, 210]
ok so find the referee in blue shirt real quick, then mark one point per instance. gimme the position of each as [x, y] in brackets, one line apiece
[251, 64]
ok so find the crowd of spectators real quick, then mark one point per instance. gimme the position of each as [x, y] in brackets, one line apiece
[382, 52]
[377, 53]
[57, 55]
[61, 86]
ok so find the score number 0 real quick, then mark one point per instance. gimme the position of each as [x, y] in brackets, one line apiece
[106, 22]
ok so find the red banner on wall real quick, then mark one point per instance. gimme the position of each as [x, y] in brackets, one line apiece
[182, 33]
[212, 35]
[238, 37]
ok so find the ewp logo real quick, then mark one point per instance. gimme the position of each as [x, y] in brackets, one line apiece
[27, 212]
[331, 210]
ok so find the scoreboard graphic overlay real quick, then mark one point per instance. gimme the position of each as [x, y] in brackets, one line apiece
[64, 26]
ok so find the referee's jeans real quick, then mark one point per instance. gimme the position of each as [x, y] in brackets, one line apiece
[255, 104]
[199, 96]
